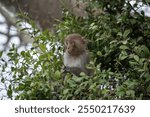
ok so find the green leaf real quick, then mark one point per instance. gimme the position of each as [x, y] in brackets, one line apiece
[99, 53]
[76, 79]
[43, 47]
[119, 34]
[9, 91]
[66, 91]
[147, 76]
[123, 56]
[23, 53]
[146, 51]
[125, 42]
[82, 74]
[43, 57]
[21, 87]
[1, 53]
[130, 93]
[57, 74]
[2, 80]
[136, 58]
[123, 47]
[126, 33]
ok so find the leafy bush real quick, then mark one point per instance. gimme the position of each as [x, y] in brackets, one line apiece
[119, 42]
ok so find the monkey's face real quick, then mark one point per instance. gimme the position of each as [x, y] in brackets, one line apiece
[75, 45]
[71, 48]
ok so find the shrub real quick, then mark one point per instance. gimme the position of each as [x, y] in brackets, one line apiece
[119, 42]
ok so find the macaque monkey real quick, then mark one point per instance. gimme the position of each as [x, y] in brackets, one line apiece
[76, 55]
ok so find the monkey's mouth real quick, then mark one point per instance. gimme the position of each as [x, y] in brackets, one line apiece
[69, 53]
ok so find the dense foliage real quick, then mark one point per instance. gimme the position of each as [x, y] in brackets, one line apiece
[119, 43]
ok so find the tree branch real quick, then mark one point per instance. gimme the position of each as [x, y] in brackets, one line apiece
[11, 19]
